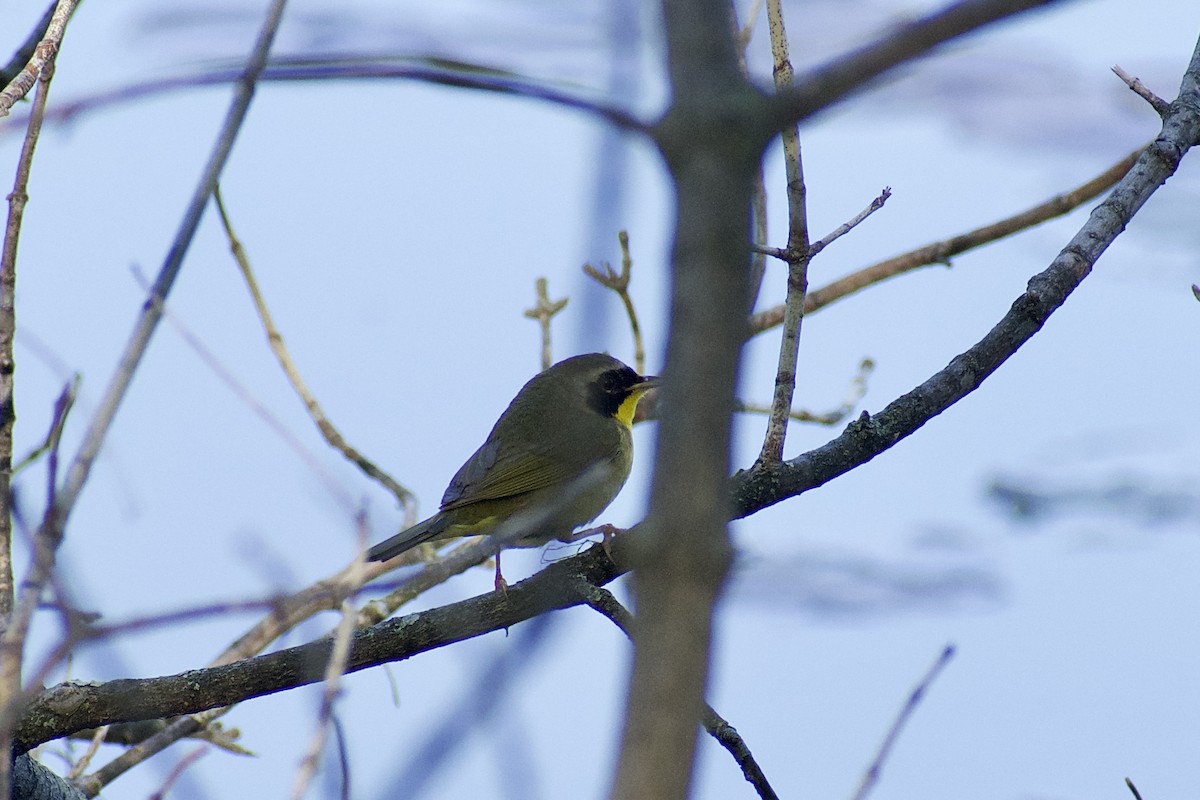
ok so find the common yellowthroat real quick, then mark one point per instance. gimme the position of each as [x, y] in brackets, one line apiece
[555, 459]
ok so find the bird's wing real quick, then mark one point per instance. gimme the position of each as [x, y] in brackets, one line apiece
[486, 476]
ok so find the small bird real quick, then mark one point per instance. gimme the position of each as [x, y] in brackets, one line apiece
[555, 459]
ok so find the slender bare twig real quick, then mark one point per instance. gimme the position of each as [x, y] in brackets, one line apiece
[871, 776]
[858, 389]
[941, 251]
[332, 435]
[8, 319]
[12, 641]
[850, 224]
[84, 760]
[1160, 106]
[799, 252]
[619, 283]
[1196, 291]
[333, 671]
[338, 492]
[177, 772]
[43, 55]
[543, 311]
[1136, 794]
[147, 323]
[604, 602]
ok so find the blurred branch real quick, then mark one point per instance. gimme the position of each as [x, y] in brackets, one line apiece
[355, 69]
[332, 435]
[726, 735]
[334, 668]
[827, 85]
[1136, 794]
[543, 311]
[871, 776]
[147, 322]
[619, 283]
[940, 252]
[40, 59]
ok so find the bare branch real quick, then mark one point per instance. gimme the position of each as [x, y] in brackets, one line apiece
[869, 436]
[8, 328]
[333, 670]
[332, 435]
[1160, 106]
[827, 85]
[543, 311]
[858, 389]
[799, 253]
[1136, 794]
[850, 225]
[318, 69]
[147, 322]
[940, 252]
[619, 283]
[726, 735]
[871, 776]
[42, 57]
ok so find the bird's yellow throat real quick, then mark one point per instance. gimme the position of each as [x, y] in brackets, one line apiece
[628, 406]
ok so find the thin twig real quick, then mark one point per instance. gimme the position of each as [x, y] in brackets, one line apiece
[79, 766]
[1136, 794]
[333, 672]
[543, 311]
[51, 435]
[940, 252]
[726, 735]
[334, 437]
[26, 51]
[799, 252]
[1196, 291]
[8, 320]
[858, 389]
[338, 492]
[849, 225]
[43, 56]
[619, 283]
[871, 777]
[147, 323]
[1160, 106]
[177, 772]
[287, 614]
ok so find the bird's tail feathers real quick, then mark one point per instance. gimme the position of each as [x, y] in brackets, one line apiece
[407, 539]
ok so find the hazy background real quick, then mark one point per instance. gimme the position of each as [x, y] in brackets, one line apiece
[397, 230]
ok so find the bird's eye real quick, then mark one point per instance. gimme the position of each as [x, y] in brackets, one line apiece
[609, 382]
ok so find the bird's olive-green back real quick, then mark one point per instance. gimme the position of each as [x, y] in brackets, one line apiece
[550, 434]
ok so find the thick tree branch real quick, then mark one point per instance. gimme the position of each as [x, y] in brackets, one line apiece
[70, 707]
[869, 436]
